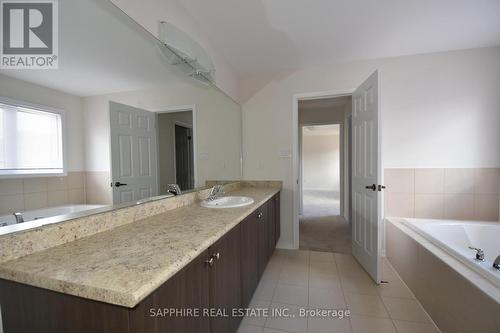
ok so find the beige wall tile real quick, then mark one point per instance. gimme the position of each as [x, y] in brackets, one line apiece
[399, 205]
[402, 252]
[459, 206]
[76, 196]
[57, 183]
[11, 186]
[486, 207]
[35, 200]
[482, 311]
[57, 198]
[459, 181]
[399, 180]
[437, 292]
[429, 181]
[76, 180]
[35, 185]
[11, 203]
[486, 181]
[429, 206]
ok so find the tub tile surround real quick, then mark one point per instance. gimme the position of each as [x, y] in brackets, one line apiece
[130, 268]
[460, 194]
[457, 298]
[21, 194]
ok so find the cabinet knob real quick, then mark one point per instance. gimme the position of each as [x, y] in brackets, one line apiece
[210, 262]
[216, 256]
[259, 216]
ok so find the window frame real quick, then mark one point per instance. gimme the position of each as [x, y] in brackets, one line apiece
[64, 138]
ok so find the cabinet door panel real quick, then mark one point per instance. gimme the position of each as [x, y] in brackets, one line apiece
[262, 237]
[277, 210]
[271, 226]
[188, 289]
[225, 283]
[28, 309]
[249, 258]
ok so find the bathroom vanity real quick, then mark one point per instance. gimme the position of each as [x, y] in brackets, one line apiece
[129, 278]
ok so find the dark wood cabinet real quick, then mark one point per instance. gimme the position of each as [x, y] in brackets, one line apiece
[223, 278]
[249, 229]
[225, 283]
[188, 289]
[271, 227]
[277, 217]
[262, 238]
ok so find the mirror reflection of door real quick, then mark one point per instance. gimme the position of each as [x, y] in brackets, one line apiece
[184, 171]
[133, 158]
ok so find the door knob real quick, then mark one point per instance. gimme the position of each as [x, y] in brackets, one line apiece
[372, 187]
[381, 187]
[118, 184]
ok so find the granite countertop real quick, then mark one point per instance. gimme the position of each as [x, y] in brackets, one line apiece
[124, 265]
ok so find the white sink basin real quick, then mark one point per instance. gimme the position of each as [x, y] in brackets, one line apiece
[227, 202]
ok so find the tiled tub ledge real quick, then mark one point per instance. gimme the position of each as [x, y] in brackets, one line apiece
[457, 298]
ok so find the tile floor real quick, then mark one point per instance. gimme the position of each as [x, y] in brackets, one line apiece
[308, 279]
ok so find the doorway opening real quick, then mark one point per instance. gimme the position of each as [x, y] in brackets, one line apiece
[324, 177]
[176, 150]
[183, 145]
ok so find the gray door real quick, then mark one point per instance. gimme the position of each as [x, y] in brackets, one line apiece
[133, 153]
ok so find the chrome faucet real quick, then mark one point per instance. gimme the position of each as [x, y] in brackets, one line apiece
[215, 192]
[19, 217]
[496, 263]
[174, 189]
[479, 253]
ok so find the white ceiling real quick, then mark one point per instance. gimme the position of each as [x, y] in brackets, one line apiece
[101, 51]
[265, 38]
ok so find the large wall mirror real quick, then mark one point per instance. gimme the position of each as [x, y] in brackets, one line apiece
[116, 123]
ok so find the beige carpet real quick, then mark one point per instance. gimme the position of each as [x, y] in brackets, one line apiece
[325, 234]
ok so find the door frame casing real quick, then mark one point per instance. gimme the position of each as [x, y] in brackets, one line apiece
[184, 108]
[295, 148]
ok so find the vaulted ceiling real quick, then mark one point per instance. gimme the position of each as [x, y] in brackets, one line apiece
[265, 38]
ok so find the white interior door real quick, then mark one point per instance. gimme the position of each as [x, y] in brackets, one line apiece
[133, 153]
[366, 176]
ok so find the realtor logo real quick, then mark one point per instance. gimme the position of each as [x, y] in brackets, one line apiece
[29, 36]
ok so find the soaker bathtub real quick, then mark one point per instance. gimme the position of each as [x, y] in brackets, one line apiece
[455, 237]
[38, 217]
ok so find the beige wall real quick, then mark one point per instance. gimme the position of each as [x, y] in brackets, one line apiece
[166, 145]
[426, 100]
[321, 162]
